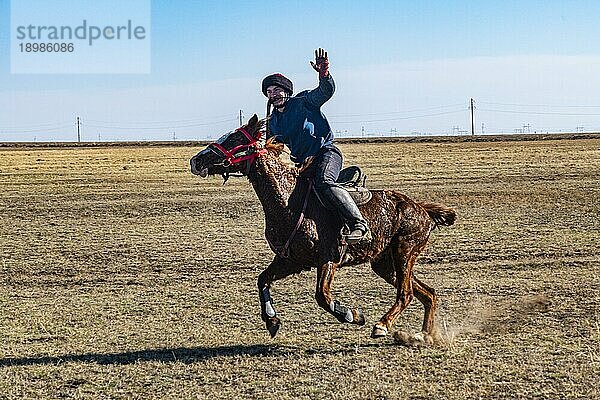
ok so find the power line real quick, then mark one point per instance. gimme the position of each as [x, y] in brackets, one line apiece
[395, 112]
[37, 125]
[537, 112]
[399, 118]
[7, 131]
[146, 123]
[159, 127]
[540, 105]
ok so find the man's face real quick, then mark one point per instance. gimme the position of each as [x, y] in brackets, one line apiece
[277, 96]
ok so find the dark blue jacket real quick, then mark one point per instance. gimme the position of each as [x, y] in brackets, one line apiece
[302, 126]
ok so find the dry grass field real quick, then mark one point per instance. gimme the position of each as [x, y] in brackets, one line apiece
[124, 276]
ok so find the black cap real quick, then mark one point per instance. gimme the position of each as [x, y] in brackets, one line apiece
[277, 80]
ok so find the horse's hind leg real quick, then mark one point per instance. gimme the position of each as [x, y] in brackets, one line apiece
[384, 267]
[426, 295]
[325, 274]
[404, 295]
[427, 336]
[403, 259]
[278, 269]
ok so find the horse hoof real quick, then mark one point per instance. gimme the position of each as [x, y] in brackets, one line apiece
[422, 339]
[273, 325]
[403, 338]
[359, 317]
[419, 339]
[379, 331]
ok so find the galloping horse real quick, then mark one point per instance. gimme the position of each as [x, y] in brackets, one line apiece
[304, 234]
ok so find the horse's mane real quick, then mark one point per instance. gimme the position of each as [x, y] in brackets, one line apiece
[261, 125]
[270, 144]
[274, 147]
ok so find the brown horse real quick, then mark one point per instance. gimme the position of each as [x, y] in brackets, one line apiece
[305, 235]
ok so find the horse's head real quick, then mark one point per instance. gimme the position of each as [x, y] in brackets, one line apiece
[233, 152]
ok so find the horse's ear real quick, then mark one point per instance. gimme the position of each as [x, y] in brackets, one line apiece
[254, 126]
[253, 121]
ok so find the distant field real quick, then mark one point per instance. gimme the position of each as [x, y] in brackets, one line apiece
[346, 140]
[124, 276]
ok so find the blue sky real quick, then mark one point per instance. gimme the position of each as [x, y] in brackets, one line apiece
[399, 65]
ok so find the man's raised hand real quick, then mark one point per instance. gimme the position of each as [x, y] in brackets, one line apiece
[321, 64]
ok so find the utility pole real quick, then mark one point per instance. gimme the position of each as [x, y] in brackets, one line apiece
[241, 118]
[362, 131]
[472, 117]
[78, 130]
[482, 128]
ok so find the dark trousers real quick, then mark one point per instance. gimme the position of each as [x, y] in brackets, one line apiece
[325, 169]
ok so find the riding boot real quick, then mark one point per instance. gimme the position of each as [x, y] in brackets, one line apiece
[339, 199]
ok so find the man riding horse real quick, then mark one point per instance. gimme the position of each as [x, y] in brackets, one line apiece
[299, 123]
[399, 227]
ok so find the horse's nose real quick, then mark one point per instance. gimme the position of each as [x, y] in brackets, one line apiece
[197, 168]
[193, 166]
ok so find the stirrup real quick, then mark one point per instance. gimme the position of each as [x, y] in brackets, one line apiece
[357, 235]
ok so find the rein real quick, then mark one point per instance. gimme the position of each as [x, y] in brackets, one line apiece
[242, 153]
[284, 251]
[249, 153]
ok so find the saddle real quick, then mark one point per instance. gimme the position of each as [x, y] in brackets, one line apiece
[354, 181]
[351, 179]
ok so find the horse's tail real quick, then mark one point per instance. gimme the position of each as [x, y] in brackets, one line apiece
[440, 214]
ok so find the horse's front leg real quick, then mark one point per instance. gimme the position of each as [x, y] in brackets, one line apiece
[278, 269]
[325, 274]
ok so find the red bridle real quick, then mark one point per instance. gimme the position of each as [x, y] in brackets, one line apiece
[232, 157]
